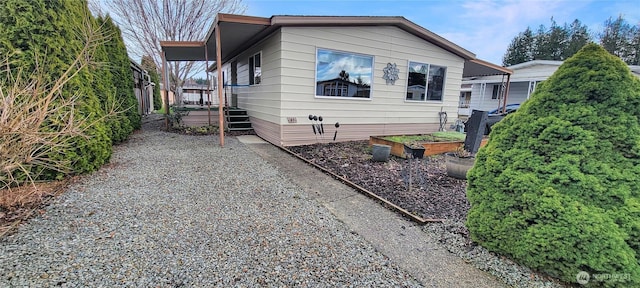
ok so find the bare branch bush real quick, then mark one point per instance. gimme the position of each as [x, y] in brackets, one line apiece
[36, 120]
[144, 23]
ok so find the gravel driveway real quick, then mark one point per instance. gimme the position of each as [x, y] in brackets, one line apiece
[173, 210]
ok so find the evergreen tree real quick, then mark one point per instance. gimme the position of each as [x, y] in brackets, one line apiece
[618, 39]
[561, 42]
[541, 47]
[578, 37]
[148, 64]
[520, 50]
[557, 187]
[634, 56]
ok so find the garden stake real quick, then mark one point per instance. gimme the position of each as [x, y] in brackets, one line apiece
[410, 170]
[336, 133]
[315, 123]
[313, 126]
[321, 126]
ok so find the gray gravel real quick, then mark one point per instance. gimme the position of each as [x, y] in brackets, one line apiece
[510, 272]
[173, 210]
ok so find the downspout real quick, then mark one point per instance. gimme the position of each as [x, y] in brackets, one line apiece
[220, 86]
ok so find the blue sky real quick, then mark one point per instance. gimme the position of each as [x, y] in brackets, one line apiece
[482, 27]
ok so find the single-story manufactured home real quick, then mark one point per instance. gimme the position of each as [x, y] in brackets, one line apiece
[487, 92]
[372, 75]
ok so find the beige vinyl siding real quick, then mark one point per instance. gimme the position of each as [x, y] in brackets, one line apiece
[262, 101]
[387, 103]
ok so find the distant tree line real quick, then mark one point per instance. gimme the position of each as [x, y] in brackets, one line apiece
[560, 42]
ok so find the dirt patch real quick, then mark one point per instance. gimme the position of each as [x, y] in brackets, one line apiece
[433, 194]
[20, 203]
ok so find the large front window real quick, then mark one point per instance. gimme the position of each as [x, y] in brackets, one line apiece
[343, 74]
[425, 82]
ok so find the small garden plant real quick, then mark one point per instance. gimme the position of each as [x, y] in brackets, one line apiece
[557, 187]
[441, 136]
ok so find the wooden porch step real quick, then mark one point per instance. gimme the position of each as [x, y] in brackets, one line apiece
[237, 119]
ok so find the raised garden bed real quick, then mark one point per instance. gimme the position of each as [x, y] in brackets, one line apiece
[434, 144]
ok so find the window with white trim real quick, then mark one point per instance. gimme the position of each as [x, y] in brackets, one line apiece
[425, 82]
[255, 69]
[343, 74]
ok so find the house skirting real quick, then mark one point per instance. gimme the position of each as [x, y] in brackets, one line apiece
[293, 135]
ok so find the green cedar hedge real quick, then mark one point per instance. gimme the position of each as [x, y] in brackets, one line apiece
[115, 84]
[123, 76]
[47, 32]
[557, 188]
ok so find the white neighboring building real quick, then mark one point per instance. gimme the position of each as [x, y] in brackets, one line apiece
[484, 93]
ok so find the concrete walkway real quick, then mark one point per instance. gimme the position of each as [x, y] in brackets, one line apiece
[401, 240]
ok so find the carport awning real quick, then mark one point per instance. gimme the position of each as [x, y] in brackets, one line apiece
[237, 32]
[477, 68]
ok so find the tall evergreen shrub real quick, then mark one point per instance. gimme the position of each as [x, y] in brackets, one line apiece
[122, 75]
[114, 84]
[557, 187]
[48, 32]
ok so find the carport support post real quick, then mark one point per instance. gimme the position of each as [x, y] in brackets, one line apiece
[166, 89]
[506, 94]
[206, 71]
[220, 87]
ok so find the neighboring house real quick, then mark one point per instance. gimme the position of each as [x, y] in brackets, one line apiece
[342, 88]
[143, 88]
[487, 92]
[372, 75]
[197, 94]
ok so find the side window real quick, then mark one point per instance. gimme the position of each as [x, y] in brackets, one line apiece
[255, 69]
[425, 82]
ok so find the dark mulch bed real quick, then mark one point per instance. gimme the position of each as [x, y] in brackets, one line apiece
[433, 193]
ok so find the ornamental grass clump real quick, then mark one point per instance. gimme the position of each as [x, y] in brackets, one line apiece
[557, 188]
